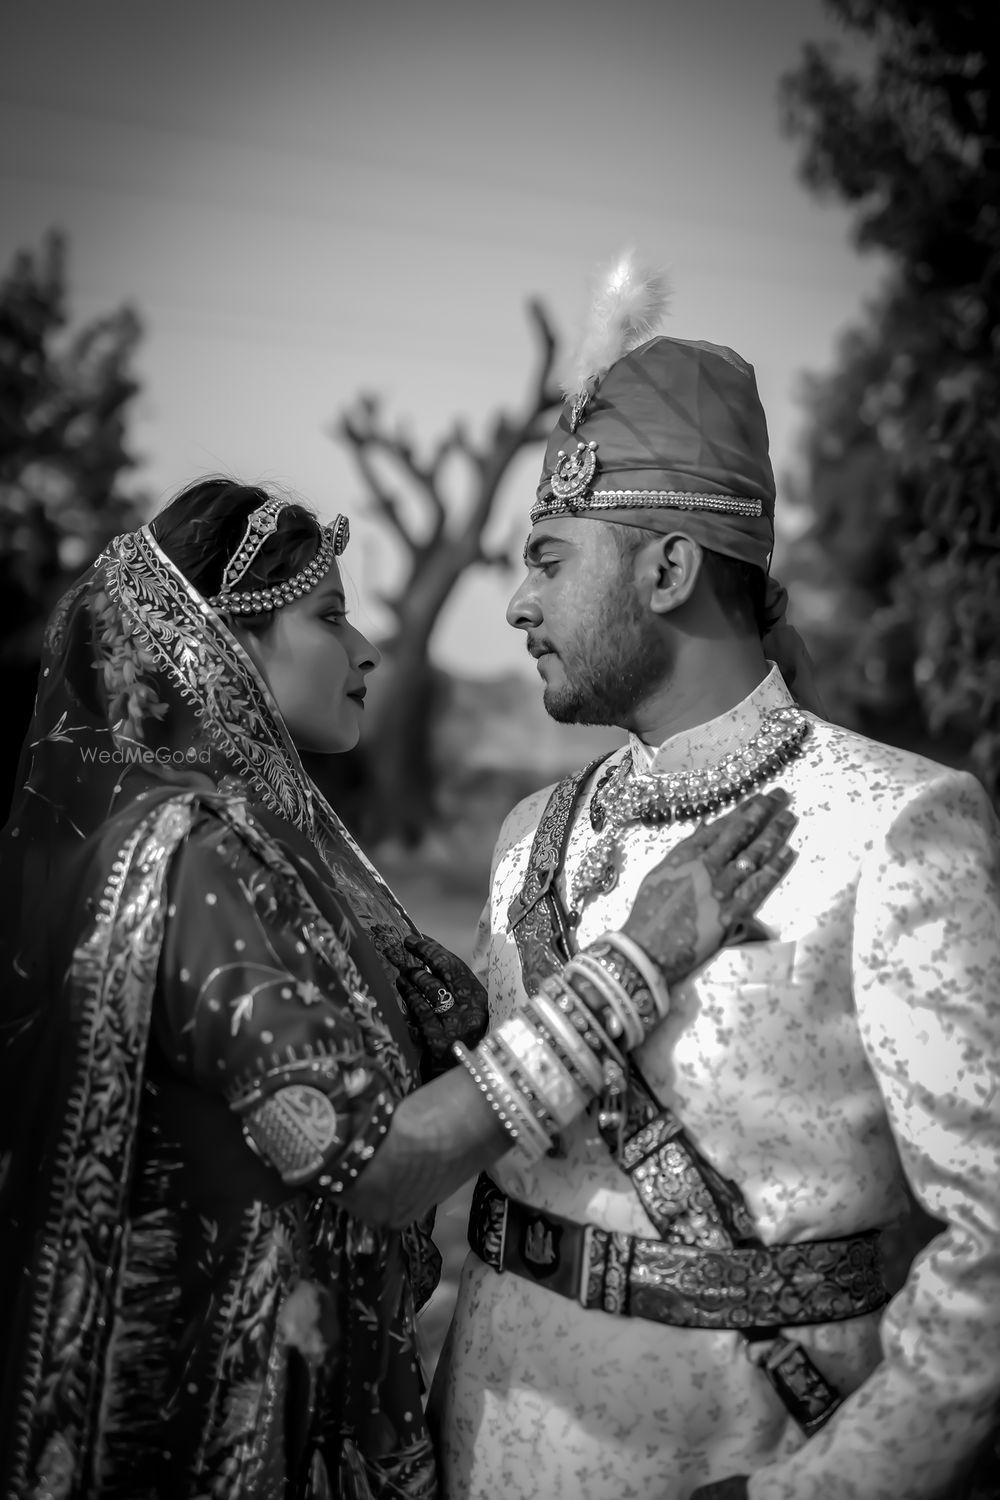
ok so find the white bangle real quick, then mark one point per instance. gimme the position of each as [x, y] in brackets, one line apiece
[628, 1022]
[563, 1097]
[533, 1135]
[583, 1059]
[640, 960]
[580, 1015]
[470, 1064]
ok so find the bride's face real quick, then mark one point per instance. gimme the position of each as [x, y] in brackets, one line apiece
[315, 663]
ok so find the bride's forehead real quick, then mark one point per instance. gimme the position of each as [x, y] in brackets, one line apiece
[331, 582]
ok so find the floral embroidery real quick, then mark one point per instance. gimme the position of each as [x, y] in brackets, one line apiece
[128, 670]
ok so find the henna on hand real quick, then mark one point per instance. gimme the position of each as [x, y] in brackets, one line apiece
[664, 919]
[444, 1001]
[710, 882]
[758, 853]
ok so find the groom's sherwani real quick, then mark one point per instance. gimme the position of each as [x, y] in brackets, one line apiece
[855, 1052]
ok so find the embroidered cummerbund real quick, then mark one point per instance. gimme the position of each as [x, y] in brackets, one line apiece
[746, 1287]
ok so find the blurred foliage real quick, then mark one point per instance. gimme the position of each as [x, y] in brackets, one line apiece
[902, 453]
[63, 400]
[64, 397]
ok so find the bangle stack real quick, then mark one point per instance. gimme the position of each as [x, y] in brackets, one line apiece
[522, 1115]
[542, 1067]
[580, 1004]
[634, 993]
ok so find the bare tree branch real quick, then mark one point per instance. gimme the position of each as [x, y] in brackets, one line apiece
[456, 442]
[401, 767]
[512, 433]
[546, 391]
[367, 434]
[385, 502]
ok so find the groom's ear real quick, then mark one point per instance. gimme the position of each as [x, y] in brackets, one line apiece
[667, 571]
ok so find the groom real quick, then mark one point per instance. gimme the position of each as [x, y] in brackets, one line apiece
[684, 1299]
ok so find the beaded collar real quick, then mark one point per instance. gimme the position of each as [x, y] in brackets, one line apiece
[624, 795]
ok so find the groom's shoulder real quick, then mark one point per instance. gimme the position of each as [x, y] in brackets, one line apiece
[525, 816]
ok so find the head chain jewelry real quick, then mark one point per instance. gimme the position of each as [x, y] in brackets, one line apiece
[261, 524]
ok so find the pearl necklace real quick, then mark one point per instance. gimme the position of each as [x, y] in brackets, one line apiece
[625, 795]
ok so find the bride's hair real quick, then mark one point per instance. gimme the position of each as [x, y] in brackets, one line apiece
[204, 524]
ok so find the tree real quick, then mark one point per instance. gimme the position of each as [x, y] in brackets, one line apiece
[903, 450]
[388, 788]
[64, 398]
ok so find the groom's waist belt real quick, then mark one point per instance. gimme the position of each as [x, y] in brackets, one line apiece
[743, 1287]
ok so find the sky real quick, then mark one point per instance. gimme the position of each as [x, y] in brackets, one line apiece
[306, 201]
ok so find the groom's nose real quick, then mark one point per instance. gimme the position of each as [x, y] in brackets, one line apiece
[524, 611]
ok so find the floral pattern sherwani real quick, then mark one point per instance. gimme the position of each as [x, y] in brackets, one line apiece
[850, 1059]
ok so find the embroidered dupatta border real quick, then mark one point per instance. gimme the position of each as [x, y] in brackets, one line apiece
[112, 982]
[217, 678]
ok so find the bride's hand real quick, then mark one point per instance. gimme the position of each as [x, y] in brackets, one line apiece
[444, 1000]
[707, 889]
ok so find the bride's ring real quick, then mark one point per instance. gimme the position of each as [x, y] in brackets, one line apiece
[444, 1001]
[744, 864]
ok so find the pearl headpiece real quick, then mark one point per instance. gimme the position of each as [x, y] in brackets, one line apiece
[261, 524]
